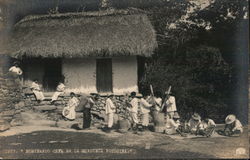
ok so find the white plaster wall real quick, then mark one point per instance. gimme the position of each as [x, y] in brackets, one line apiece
[124, 74]
[80, 75]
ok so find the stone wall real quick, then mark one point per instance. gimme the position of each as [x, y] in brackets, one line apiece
[11, 97]
[54, 112]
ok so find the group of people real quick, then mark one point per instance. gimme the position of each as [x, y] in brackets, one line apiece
[36, 89]
[147, 104]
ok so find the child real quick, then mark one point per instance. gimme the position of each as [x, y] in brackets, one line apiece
[233, 126]
[193, 123]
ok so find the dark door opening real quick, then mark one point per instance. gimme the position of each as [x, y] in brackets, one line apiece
[52, 74]
[104, 82]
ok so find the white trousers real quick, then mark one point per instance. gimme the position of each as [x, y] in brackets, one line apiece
[110, 119]
[145, 119]
[39, 95]
[134, 117]
[55, 95]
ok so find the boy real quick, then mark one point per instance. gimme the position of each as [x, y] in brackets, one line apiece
[193, 123]
[233, 126]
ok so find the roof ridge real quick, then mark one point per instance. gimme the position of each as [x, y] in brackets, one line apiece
[108, 12]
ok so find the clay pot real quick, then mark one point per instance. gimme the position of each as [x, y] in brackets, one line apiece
[123, 125]
[159, 122]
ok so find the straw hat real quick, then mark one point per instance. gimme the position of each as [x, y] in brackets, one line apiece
[176, 115]
[230, 119]
[196, 116]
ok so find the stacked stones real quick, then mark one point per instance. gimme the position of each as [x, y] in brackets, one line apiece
[54, 112]
[11, 104]
[120, 103]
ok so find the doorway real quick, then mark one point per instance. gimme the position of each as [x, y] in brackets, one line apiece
[104, 82]
[52, 73]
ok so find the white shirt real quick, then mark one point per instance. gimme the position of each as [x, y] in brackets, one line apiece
[170, 104]
[60, 87]
[134, 105]
[210, 123]
[172, 124]
[193, 124]
[145, 106]
[237, 125]
[35, 86]
[16, 70]
[158, 101]
[73, 102]
[109, 107]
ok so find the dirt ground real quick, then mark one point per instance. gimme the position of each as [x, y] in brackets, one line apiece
[29, 141]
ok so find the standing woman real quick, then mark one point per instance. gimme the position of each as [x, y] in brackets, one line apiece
[69, 111]
[145, 109]
[170, 105]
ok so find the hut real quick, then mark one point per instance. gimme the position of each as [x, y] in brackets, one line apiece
[93, 51]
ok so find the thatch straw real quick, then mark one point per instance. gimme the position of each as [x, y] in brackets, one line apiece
[83, 34]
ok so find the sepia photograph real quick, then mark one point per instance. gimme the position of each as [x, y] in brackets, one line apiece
[124, 79]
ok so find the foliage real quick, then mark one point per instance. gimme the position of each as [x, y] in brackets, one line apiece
[195, 82]
[196, 46]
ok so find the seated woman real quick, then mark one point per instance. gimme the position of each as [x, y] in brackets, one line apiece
[69, 111]
[173, 125]
[233, 126]
[37, 91]
[59, 90]
[193, 123]
[206, 127]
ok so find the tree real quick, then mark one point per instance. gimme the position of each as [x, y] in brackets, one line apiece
[190, 57]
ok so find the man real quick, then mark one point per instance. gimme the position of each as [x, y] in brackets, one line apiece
[170, 105]
[37, 91]
[86, 104]
[145, 109]
[16, 69]
[59, 90]
[233, 126]
[193, 123]
[110, 110]
[133, 109]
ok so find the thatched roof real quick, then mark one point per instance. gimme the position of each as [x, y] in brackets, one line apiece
[83, 34]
